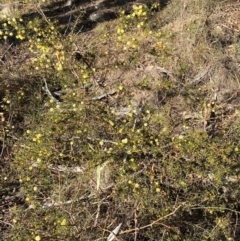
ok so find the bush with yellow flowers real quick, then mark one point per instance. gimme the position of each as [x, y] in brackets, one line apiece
[85, 162]
[137, 19]
[12, 28]
[45, 44]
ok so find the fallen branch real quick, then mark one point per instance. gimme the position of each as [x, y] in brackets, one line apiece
[49, 92]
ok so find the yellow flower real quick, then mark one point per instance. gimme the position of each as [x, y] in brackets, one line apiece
[85, 76]
[37, 238]
[158, 190]
[59, 67]
[180, 137]
[125, 141]
[136, 185]
[64, 222]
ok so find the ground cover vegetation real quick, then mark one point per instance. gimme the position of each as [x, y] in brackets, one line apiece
[119, 114]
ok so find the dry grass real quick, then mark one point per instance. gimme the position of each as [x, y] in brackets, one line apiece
[147, 133]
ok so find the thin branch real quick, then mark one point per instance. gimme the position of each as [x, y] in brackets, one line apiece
[3, 146]
[155, 222]
[68, 25]
[164, 231]
[217, 208]
[6, 223]
[235, 226]
[97, 215]
[40, 11]
[136, 229]
[6, 50]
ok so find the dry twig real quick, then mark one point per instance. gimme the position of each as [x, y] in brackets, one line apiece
[154, 222]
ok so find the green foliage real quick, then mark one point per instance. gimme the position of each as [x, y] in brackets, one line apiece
[85, 164]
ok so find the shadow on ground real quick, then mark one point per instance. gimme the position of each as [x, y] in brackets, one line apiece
[85, 15]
